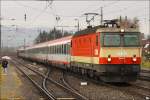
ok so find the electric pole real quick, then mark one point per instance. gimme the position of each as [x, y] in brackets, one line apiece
[24, 43]
[78, 24]
[0, 37]
[25, 17]
[101, 15]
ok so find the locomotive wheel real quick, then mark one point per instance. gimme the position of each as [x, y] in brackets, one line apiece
[82, 71]
[90, 73]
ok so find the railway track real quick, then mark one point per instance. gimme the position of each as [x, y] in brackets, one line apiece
[145, 71]
[48, 95]
[127, 88]
[75, 94]
[45, 87]
[141, 87]
[66, 83]
[145, 75]
[130, 89]
[144, 78]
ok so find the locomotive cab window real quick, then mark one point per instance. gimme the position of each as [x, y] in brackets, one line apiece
[127, 39]
[134, 38]
[111, 40]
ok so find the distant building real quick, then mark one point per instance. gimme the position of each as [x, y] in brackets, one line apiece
[146, 45]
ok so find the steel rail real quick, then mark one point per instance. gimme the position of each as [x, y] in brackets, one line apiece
[109, 85]
[141, 87]
[124, 90]
[44, 84]
[54, 82]
[144, 78]
[35, 83]
[63, 79]
[145, 71]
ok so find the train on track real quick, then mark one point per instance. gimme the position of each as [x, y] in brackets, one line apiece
[108, 52]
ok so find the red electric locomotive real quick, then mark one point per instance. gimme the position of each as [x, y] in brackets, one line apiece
[112, 54]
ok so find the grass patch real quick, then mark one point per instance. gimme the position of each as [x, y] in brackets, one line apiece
[145, 64]
[0, 69]
[0, 73]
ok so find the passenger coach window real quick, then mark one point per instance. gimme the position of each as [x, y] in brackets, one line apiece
[68, 48]
[53, 49]
[56, 49]
[62, 49]
[65, 49]
[50, 50]
[111, 40]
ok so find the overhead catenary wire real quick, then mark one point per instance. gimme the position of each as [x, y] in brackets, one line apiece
[43, 11]
[38, 10]
[27, 6]
[80, 16]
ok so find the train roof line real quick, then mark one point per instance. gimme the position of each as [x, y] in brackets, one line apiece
[48, 42]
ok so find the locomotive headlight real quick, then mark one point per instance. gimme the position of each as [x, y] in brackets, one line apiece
[109, 58]
[134, 58]
[122, 30]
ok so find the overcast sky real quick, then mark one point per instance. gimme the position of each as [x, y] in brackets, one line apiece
[43, 14]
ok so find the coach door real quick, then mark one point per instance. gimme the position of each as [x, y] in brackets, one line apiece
[93, 48]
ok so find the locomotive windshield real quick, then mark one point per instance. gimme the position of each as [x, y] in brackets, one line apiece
[117, 39]
[111, 40]
[131, 40]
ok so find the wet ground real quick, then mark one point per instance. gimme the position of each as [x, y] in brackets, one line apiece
[14, 86]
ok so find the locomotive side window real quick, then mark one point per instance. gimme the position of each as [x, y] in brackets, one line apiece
[112, 40]
[71, 43]
[96, 40]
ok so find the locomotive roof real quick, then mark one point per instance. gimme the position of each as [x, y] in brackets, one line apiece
[103, 29]
[85, 31]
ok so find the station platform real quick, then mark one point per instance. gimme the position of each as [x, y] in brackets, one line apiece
[13, 86]
[10, 85]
